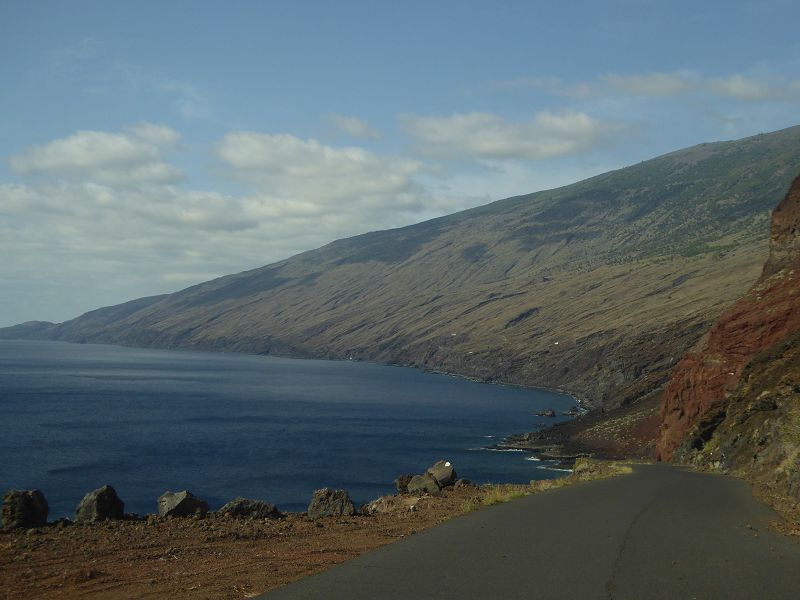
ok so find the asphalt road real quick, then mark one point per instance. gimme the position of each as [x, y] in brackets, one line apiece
[658, 533]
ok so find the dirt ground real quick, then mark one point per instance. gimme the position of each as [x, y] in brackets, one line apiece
[214, 557]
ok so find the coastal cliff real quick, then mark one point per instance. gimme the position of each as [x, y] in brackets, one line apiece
[733, 404]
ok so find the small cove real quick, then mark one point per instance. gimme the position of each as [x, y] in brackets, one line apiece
[224, 425]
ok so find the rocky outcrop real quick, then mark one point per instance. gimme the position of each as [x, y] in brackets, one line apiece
[328, 502]
[756, 434]
[250, 509]
[438, 476]
[24, 508]
[695, 401]
[181, 504]
[100, 505]
[443, 472]
[423, 484]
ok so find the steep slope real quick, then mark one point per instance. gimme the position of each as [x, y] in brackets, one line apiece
[735, 402]
[756, 433]
[596, 287]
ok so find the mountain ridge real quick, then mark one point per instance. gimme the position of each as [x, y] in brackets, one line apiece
[596, 287]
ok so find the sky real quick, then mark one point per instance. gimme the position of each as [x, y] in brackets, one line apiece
[149, 146]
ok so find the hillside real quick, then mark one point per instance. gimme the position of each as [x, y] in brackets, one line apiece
[597, 287]
[734, 403]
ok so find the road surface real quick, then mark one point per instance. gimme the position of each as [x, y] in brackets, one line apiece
[661, 532]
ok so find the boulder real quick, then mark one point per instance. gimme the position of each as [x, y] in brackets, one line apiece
[462, 483]
[181, 504]
[99, 505]
[253, 509]
[328, 502]
[401, 483]
[444, 473]
[24, 508]
[423, 484]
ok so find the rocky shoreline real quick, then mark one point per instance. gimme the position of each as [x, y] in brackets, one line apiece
[28, 509]
[234, 552]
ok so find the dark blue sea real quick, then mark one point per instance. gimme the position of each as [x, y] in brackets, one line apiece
[77, 416]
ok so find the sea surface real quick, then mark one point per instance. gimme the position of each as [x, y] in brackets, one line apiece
[75, 417]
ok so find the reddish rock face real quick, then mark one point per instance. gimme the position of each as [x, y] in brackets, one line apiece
[767, 314]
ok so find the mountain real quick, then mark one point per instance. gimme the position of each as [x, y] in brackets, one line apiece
[597, 287]
[734, 403]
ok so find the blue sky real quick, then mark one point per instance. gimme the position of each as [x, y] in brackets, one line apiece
[148, 146]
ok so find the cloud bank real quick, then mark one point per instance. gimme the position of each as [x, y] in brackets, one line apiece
[738, 86]
[479, 135]
[130, 158]
[108, 211]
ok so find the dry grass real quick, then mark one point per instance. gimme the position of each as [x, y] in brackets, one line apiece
[585, 470]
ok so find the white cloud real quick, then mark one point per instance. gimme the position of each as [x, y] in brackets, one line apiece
[658, 84]
[487, 136]
[353, 126]
[295, 176]
[111, 158]
[116, 240]
[755, 90]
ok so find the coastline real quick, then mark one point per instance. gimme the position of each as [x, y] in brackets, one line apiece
[224, 557]
[296, 428]
[577, 398]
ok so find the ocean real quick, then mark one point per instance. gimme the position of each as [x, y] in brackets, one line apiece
[78, 416]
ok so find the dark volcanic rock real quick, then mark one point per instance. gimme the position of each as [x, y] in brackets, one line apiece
[423, 484]
[24, 508]
[255, 509]
[461, 483]
[181, 504]
[99, 505]
[328, 502]
[401, 483]
[443, 472]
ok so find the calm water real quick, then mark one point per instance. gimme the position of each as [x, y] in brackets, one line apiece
[223, 425]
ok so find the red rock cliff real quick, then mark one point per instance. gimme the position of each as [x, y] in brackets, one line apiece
[768, 313]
